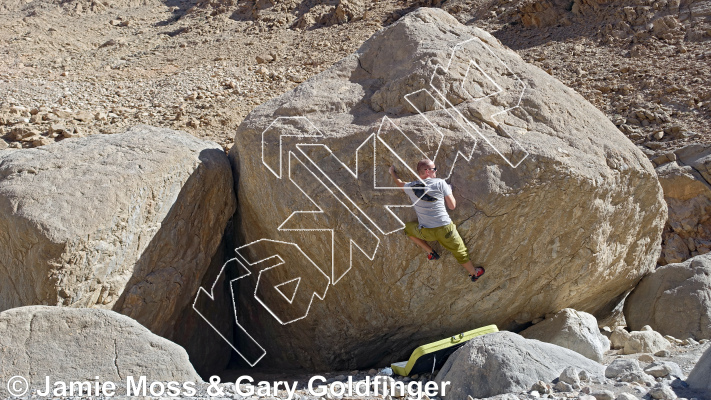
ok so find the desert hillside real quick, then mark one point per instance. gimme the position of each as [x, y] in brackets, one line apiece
[81, 67]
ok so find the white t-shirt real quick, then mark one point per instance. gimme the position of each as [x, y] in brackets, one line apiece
[430, 209]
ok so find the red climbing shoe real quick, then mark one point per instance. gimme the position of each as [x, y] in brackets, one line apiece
[433, 256]
[478, 272]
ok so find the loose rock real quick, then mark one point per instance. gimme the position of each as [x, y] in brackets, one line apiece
[505, 362]
[85, 343]
[574, 330]
[658, 298]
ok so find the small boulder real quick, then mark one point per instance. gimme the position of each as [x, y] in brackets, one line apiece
[570, 376]
[574, 330]
[627, 370]
[621, 366]
[563, 387]
[505, 362]
[662, 353]
[542, 387]
[603, 395]
[646, 358]
[660, 296]
[626, 396]
[662, 392]
[664, 369]
[645, 342]
[619, 338]
[72, 343]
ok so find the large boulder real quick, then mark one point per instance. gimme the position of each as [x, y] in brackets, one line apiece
[505, 362]
[699, 376]
[70, 344]
[126, 222]
[561, 208]
[573, 330]
[674, 300]
[686, 180]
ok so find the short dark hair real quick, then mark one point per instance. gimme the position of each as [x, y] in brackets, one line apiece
[423, 164]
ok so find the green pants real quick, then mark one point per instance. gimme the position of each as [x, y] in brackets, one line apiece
[446, 235]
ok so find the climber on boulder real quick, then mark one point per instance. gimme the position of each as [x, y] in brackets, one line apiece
[433, 222]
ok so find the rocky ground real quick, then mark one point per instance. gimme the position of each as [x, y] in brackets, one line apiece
[81, 67]
[685, 356]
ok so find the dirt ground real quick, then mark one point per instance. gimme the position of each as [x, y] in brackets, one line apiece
[79, 67]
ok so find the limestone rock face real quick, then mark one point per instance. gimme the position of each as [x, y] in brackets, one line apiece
[573, 330]
[674, 300]
[687, 190]
[505, 362]
[127, 222]
[561, 209]
[78, 344]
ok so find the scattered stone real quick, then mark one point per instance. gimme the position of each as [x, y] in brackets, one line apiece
[584, 376]
[664, 369]
[41, 141]
[662, 392]
[22, 132]
[570, 376]
[621, 366]
[673, 340]
[542, 387]
[262, 70]
[626, 396]
[83, 116]
[113, 42]
[603, 395]
[662, 353]
[264, 58]
[563, 387]
[349, 10]
[646, 358]
[690, 342]
[619, 337]
[3, 144]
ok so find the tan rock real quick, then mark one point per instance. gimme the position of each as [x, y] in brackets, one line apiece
[645, 342]
[601, 224]
[573, 330]
[674, 300]
[687, 190]
[127, 222]
[619, 338]
[492, 364]
[78, 344]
